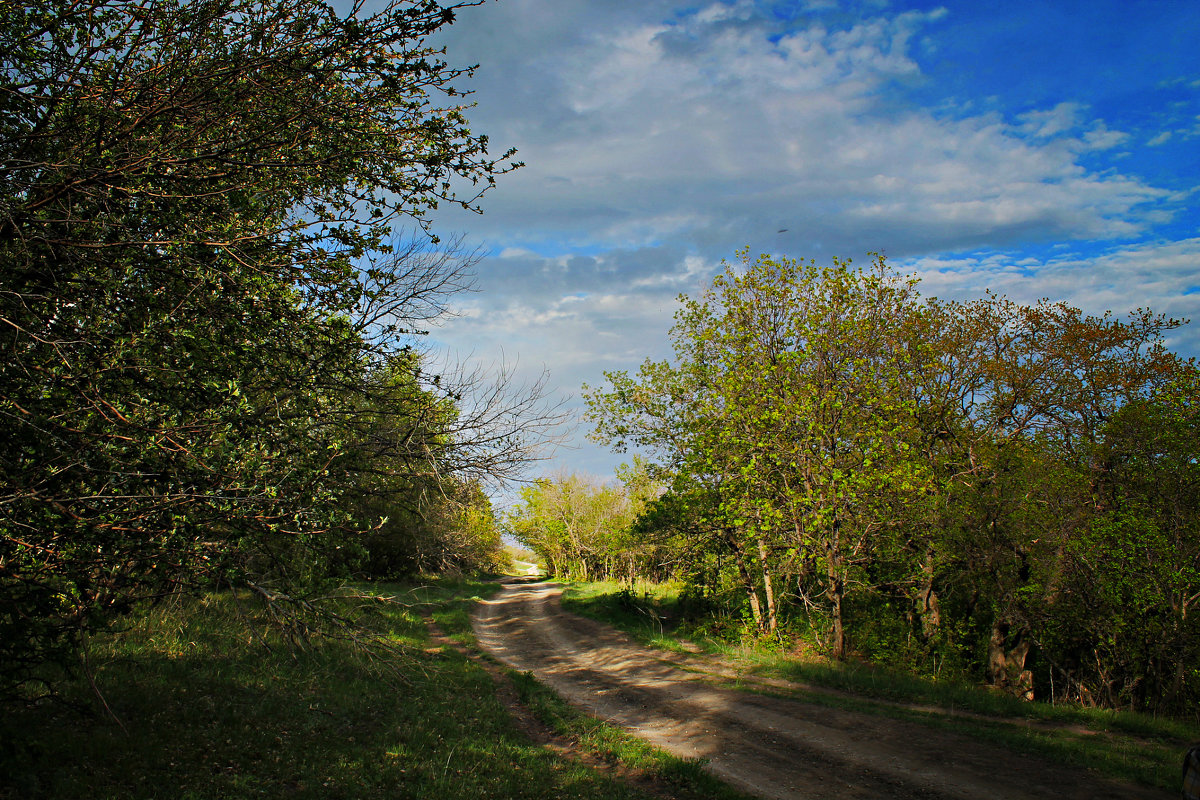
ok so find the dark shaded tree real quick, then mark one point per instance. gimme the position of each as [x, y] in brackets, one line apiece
[199, 282]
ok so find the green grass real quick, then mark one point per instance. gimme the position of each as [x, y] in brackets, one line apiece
[206, 711]
[1121, 744]
[613, 745]
[649, 611]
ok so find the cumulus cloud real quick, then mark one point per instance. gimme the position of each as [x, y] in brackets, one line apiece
[660, 136]
[720, 126]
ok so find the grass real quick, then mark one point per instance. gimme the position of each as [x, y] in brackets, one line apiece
[650, 612]
[201, 709]
[1124, 745]
[614, 746]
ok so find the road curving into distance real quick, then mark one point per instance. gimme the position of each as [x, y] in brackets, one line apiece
[767, 745]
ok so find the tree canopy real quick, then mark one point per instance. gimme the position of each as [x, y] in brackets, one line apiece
[583, 530]
[208, 303]
[1007, 489]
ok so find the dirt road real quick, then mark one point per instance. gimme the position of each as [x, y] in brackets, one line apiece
[766, 745]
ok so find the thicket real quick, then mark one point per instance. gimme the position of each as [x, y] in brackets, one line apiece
[210, 310]
[1006, 491]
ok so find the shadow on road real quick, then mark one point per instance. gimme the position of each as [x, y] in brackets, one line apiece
[771, 746]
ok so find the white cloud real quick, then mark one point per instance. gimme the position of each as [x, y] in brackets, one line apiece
[1053, 122]
[1154, 275]
[660, 137]
[517, 252]
[1099, 137]
[716, 128]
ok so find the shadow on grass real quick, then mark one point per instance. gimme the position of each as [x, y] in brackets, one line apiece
[1122, 744]
[206, 711]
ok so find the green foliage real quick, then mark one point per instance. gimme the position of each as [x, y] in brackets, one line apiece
[997, 491]
[1138, 560]
[580, 530]
[206, 314]
[786, 412]
[447, 527]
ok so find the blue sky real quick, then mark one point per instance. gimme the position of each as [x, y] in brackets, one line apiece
[1037, 149]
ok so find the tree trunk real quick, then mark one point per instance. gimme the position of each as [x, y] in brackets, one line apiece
[747, 581]
[928, 606]
[769, 589]
[1006, 664]
[836, 591]
[836, 588]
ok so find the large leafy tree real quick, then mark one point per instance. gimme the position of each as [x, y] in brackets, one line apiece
[812, 361]
[197, 278]
[785, 403]
[1007, 488]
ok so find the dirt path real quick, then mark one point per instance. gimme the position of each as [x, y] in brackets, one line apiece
[769, 746]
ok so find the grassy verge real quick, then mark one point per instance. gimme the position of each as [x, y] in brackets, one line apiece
[206, 711]
[1123, 745]
[649, 612]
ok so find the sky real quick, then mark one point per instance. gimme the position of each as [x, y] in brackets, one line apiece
[1035, 148]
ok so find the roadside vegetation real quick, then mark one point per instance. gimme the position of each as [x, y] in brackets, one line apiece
[216, 273]
[202, 701]
[1127, 745]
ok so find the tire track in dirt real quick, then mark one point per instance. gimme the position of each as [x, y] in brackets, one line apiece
[773, 747]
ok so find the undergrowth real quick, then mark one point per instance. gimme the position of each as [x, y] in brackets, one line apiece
[1136, 747]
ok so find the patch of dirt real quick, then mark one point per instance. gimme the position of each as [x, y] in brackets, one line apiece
[774, 747]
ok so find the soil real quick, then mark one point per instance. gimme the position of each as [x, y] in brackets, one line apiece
[765, 744]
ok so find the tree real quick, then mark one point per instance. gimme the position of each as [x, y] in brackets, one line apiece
[812, 362]
[578, 528]
[670, 411]
[198, 279]
[1016, 400]
[1124, 631]
[793, 376]
[447, 527]
[1009, 488]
